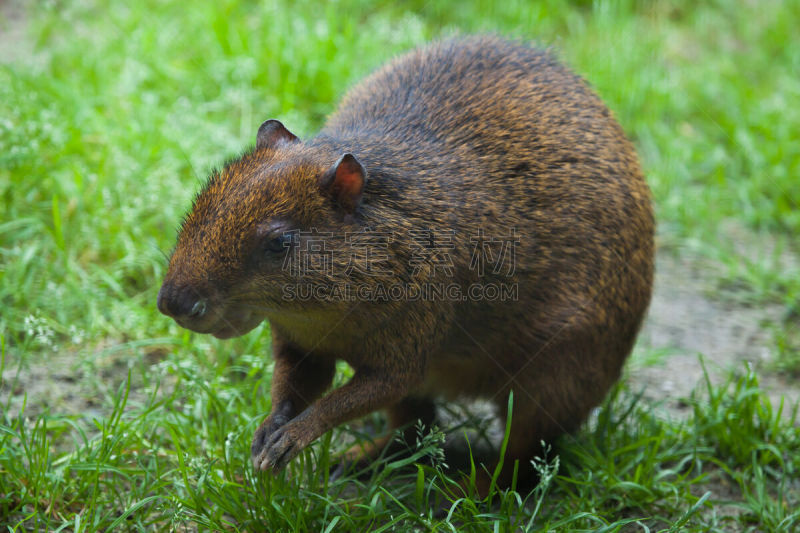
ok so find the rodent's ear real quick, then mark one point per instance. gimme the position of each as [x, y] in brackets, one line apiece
[272, 133]
[344, 182]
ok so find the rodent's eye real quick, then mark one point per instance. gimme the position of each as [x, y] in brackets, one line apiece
[278, 244]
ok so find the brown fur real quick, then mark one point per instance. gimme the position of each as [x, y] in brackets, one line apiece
[474, 134]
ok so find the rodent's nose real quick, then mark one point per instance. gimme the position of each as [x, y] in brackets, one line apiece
[181, 302]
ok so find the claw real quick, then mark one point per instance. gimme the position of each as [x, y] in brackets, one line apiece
[283, 459]
[265, 437]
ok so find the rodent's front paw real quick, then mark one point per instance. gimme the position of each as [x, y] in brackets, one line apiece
[272, 423]
[281, 446]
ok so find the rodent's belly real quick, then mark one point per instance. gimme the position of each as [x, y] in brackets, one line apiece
[452, 377]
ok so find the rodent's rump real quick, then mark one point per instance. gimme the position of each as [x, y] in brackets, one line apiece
[487, 215]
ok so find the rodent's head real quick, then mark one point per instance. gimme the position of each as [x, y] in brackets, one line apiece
[235, 247]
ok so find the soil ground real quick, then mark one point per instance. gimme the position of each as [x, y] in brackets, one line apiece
[687, 327]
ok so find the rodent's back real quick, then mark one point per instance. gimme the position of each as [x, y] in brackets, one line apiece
[483, 134]
[476, 92]
[498, 127]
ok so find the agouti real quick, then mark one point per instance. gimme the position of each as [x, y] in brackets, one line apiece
[470, 221]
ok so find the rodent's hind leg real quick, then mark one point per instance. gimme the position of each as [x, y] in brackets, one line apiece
[404, 414]
[530, 427]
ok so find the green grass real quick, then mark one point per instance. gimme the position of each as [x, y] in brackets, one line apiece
[111, 126]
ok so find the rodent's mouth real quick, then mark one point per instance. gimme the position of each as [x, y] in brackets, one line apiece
[235, 325]
[227, 325]
[227, 333]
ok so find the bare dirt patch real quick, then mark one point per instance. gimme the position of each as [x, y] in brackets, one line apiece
[688, 327]
[14, 42]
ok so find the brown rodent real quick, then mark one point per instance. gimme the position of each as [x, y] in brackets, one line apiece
[473, 162]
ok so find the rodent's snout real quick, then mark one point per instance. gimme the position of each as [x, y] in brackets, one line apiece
[181, 302]
[199, 311]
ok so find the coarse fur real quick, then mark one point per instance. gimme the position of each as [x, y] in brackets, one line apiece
[463, 138]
